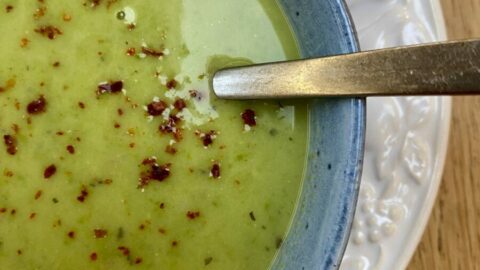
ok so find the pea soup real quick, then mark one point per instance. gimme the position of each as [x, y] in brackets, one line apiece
[115, 154]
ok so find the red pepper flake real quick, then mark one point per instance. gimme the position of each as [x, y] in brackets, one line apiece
[170, 126]
[156, 108]
[141, 227]
[32, 215]
[19, 252]
[49, 171]
[83, 194]
[179, 104]
[215, 171]
[56, 64]
[37, 106]
[11, 144]
[193, 215]
[138, 260]
[154, 172]
[71, 234]
[13, 212]
[8, 8]
[38, 195]
[174, 243]
[152, 52]
[81, 105]
[131, 26]
[3, 210]
[116, 125]
[110, 87]
[171, 84]
[162, 205]
[132, 145]
[71, 149]
[93, 256]
[49, 31]
[100, 233]
[248, 117]
[207, 138]
[120, 112]
[171, 150]
[162, 231]
[131, 52]
[60, 133]
[40, 12]
[125, 251]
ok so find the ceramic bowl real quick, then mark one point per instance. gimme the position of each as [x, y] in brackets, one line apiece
[321, 226]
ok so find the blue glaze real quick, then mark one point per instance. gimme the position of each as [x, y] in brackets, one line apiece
[321, 226]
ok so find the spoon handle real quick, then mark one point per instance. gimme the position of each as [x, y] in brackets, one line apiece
[449, 68]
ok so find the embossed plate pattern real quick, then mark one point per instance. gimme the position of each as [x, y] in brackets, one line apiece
[406, 143]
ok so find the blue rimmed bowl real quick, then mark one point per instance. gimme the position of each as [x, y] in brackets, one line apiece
[321, 226]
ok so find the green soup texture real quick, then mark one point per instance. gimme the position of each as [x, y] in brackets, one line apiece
[115, 153]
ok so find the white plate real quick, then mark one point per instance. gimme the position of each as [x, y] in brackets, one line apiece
[406, 143]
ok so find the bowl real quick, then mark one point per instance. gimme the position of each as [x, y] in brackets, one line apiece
[324, 215]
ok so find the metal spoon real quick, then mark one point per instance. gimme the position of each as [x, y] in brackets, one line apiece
[449, 68]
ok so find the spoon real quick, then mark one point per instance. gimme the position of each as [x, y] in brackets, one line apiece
[448, 68]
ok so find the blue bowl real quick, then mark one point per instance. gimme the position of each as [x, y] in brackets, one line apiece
[321, 226]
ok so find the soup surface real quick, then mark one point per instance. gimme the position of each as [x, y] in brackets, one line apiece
[114, 152]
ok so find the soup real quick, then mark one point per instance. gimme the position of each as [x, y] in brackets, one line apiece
[115, 153]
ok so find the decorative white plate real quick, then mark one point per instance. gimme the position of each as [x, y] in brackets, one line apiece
[406, 143]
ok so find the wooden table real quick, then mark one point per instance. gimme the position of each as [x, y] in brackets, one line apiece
[452, 238]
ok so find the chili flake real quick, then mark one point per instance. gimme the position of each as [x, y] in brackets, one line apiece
[49, 171]
[11, 143]
[93, 256]
[179, 104]
[100, 233]
[171, 84]
[8, 8]
[156, 108]
[40, 12]
[49, 31]
[215, 171]
[71, 234]
[193, 215]
[71, 149]
[207, 138]
[125, 251]
[249, 118]
[131, 51]
[110, 87]
[83, 194]
[154, 172]
[37, 106]
[138, 260]
[81, 105]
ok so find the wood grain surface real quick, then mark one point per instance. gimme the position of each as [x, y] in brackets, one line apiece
[452, 237]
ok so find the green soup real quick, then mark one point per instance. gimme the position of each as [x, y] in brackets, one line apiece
[114, 152]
